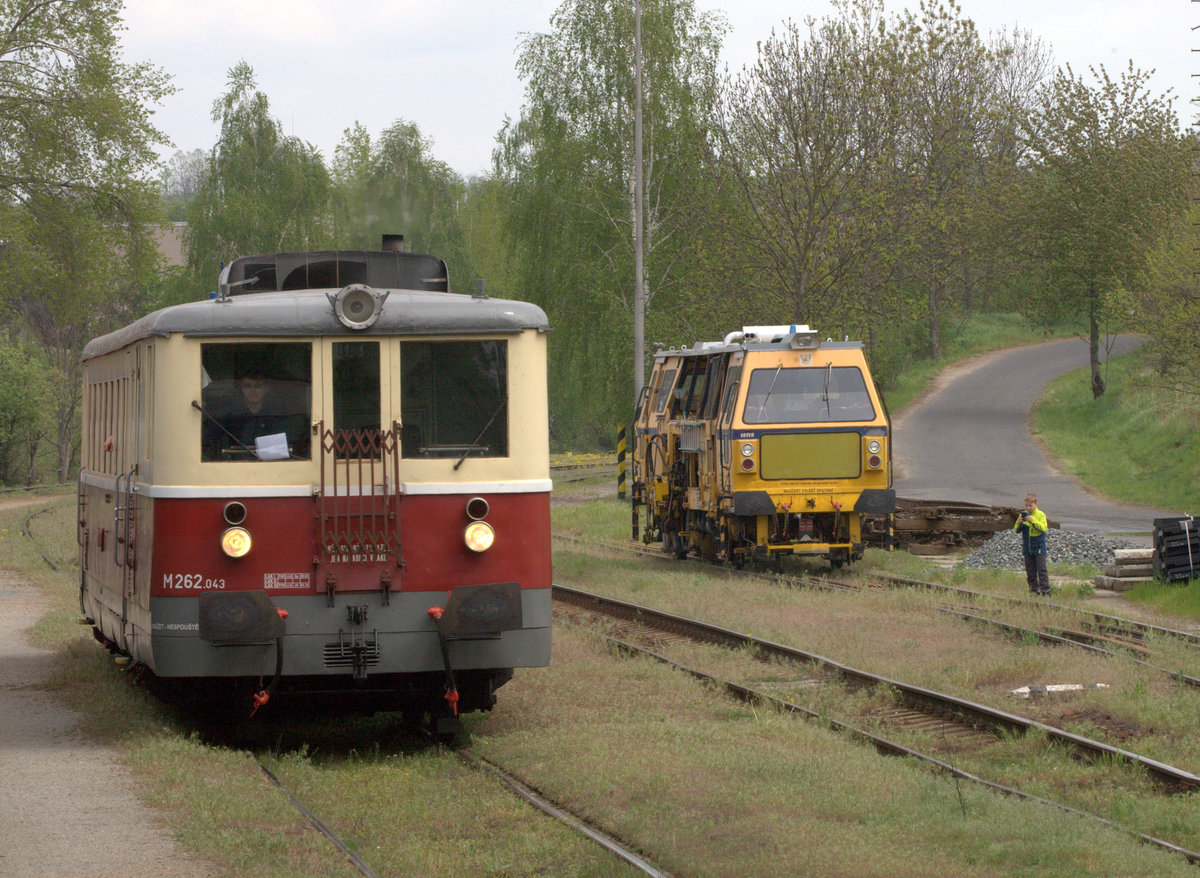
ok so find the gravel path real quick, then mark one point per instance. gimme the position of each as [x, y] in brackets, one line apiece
[67, 807]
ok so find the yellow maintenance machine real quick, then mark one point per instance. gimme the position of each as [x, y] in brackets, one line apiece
[769, 442]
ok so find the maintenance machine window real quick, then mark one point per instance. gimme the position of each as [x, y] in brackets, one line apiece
[808, 395]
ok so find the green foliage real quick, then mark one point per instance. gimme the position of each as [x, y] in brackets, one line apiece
[180, 180]
[808, 137]
[395, 186]
[872, 161]
[74, 117]
[262, 191]
[1164, 303]
[566, 166]
[1111, 172]
[76, 204]
[492, 258]
[24, 411]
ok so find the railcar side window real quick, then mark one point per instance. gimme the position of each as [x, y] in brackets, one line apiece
[690, 389]
[712, 390]
[731, 388]
[807, 395]
[663, 392]
[257, 401]
[455, 398]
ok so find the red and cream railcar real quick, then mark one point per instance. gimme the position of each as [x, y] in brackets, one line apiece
[331, 479]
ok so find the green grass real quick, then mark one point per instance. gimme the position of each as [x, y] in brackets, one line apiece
[1137, 443]
[612, 738]
[1175, 599]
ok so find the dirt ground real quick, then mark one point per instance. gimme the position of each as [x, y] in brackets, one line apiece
[67, 806]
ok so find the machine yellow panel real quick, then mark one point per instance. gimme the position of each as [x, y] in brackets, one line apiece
[811, 456]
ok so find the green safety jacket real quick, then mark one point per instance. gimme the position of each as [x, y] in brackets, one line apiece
[1033, 533]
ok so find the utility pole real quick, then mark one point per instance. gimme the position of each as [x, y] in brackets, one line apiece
[639, 266]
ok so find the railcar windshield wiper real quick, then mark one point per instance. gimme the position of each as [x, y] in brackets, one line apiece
[223, 428]
[825, 394]
[762, 408]
[475, 441]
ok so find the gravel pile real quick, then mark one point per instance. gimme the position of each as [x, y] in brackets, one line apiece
[1062, 547]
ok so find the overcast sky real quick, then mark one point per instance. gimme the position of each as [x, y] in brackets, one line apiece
[449, 65]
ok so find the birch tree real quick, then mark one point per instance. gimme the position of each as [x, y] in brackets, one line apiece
[1112, 173]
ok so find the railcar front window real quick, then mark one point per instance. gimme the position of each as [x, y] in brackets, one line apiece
[356, 385]
[454, 399]
[256, 401]
[356, 414]
[808, 395]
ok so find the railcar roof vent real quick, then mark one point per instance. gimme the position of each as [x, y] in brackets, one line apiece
[333, 270]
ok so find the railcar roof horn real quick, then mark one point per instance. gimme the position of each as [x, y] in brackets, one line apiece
[357, 306]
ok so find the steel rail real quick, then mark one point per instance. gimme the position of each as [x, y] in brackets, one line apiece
[318, 825]
[1190, 637]
[606, 841]
[1057, 639]
[1117, 622]
[886, 746]
[931, 701]
[1107, 622]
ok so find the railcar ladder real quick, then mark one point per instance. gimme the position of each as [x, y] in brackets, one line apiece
[358, 505]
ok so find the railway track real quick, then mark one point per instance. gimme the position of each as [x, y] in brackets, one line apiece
[555, 811]
[909, 718]
[940, 714]
[1100, 633]
[552, 809]
[939, 704]
[513, 784]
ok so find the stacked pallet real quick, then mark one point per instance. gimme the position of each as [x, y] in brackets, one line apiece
[1177, 548]
[1129, 567]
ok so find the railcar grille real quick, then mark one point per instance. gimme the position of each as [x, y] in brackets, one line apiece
[690, 436]
[344, 655]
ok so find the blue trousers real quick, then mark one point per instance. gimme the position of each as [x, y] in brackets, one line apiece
[1036, 575]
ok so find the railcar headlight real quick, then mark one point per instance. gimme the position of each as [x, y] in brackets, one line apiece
[235, 542]
[873, 446]
[479, 536]
[747, 449]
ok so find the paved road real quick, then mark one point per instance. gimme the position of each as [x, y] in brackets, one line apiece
[969, 440]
